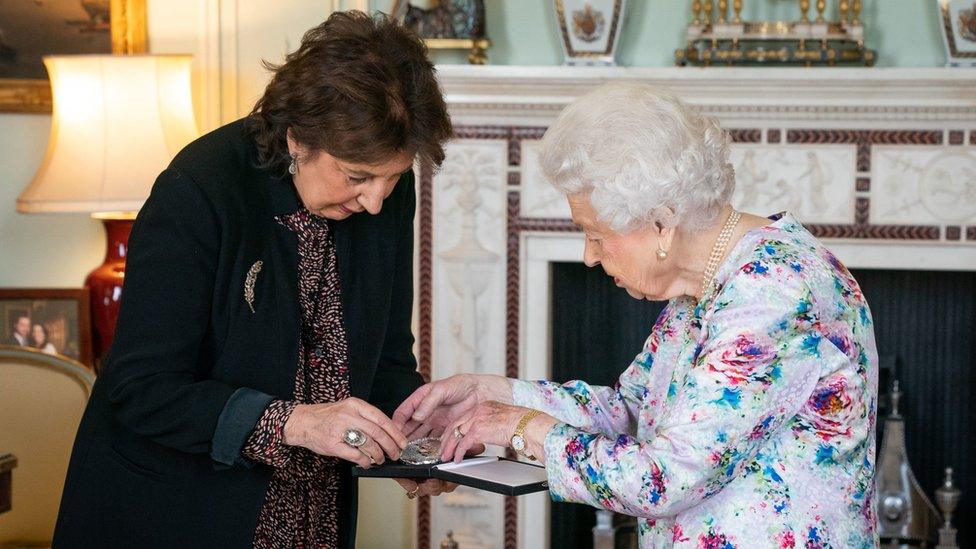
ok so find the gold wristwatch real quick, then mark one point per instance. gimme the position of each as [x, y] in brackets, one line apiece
[518, 439]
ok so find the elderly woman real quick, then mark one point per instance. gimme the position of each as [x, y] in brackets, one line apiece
[264, 335]
[748, 418]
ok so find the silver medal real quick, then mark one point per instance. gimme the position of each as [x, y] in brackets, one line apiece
[423, 451]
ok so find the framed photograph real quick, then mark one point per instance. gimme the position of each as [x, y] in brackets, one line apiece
[54, 321]
[29, 30]
[444, 24]
[958, 18]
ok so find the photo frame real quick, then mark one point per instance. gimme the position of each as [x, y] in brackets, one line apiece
[34, 29]
[447, 25]
[51, 320]
[957, 19]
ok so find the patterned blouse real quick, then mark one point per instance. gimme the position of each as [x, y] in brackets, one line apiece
[302, 507]
[748, 420]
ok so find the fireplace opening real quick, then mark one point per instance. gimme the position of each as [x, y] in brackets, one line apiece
[925, 327]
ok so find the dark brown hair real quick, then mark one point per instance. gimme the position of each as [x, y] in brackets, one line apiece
[358, 88]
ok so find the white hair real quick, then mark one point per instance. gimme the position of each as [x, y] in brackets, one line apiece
[642, 155]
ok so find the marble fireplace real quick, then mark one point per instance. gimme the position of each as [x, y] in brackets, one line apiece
[879, 163]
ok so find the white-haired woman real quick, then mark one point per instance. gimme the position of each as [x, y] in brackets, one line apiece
[748, 418]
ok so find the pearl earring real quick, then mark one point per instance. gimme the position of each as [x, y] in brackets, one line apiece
[662, 254]
[293, 167]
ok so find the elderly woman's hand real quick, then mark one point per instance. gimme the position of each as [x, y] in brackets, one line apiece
[321, 429]
[434, 406]
[494, 423]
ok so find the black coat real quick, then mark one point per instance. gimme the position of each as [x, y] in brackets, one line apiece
[157, 462]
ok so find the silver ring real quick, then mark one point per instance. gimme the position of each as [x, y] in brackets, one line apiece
[365, 453]
[354, 437]
[458, 435]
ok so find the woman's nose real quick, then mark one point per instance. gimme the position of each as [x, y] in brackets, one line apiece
[372, 200]
[590, 258]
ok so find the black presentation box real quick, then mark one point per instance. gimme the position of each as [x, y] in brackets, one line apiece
[493, 474]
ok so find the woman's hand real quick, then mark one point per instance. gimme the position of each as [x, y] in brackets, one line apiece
[494, 423]
[434, 406]
[321, 427]
[429, 487]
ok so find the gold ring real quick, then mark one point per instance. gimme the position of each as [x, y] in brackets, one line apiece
[413, 494]
[365, 453]
[458, 435]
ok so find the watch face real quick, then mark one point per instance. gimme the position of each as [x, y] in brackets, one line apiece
[518, 443]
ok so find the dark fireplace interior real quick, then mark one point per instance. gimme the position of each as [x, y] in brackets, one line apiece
[925, 327]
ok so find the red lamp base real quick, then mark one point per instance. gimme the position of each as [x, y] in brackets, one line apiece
[105, 284]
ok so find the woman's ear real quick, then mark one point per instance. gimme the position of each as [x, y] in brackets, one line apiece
[294, 147]
[663, 227]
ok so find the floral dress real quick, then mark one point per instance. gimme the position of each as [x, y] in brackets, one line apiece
[748, 420]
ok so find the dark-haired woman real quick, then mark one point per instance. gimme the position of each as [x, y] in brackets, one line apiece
[264, 337]
[39, 340]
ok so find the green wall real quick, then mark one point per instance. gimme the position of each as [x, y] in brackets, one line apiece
[905, 33]
[39, 250]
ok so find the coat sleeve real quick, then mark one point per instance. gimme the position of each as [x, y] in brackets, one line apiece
[156, 384]
[758, 365]
[396, 374]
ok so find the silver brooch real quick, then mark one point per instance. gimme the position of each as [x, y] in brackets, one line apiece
[252, 277]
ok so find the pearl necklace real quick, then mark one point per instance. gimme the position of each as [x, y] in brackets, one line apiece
[718, 250]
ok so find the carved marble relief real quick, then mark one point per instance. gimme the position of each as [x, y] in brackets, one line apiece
[816, 183]
[540, 200]
[468, 304]
[917, 185]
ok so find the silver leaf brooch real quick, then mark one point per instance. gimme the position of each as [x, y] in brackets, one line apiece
[252, 277]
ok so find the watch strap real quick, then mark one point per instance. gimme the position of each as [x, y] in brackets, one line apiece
[520, 431]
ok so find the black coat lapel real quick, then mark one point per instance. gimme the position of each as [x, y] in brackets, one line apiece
[289, 315]
[349, 247]
[284, 256]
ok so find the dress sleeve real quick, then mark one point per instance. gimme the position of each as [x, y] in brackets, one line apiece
[266, 442]
[757, 365]
[592, 408]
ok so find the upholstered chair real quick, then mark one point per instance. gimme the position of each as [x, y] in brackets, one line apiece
[42, 398]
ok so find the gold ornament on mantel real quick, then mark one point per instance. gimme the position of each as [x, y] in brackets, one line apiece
[716, 38]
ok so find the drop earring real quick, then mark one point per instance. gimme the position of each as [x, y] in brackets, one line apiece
[661, 253]
[293, 166]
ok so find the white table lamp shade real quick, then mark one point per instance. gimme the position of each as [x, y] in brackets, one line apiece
[117, 123]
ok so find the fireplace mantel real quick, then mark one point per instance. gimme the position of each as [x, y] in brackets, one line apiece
[499, 94]
[860, 156]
